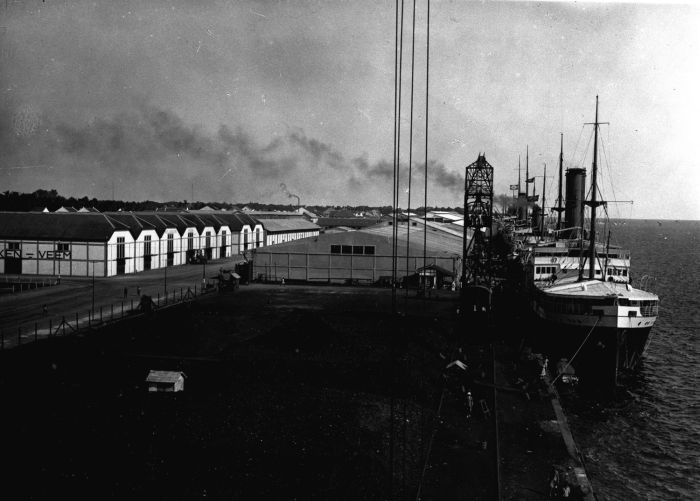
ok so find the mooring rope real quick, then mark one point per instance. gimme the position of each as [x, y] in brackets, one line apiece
[579, 349]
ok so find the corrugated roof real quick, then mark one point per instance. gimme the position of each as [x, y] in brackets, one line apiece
[80, 226]
[281, 225]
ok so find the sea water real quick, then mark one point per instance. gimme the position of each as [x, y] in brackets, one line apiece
[645, 442]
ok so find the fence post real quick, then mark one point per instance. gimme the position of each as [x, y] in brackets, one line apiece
[158, 300]
[122, 309]
[76, 320]
[100, 314]
[36, 336]
[50, 327]
[111, 312]
[89, 319]
[181, 294]
[19, 335]
[64, 325]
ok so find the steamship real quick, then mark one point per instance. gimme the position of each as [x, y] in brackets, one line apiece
[591, 317]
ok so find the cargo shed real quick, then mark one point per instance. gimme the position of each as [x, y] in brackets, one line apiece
[64, 243]
[362, 256]
[279, 231]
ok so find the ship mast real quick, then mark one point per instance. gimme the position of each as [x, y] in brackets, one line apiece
[593, 203]
[527, 183]
[544, 210]
[559, 208]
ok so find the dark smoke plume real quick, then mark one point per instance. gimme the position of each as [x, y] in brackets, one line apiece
[156, 151]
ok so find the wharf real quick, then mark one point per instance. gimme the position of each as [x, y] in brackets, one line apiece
[307, 392]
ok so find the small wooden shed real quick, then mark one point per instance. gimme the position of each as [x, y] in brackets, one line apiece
[169, 381]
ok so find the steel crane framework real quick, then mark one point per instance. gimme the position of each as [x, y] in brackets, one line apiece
[478, 213]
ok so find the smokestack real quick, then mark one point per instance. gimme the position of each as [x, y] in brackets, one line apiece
[575, 197]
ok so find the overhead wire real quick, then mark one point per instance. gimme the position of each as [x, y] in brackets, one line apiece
[398, 59]
[404, 420]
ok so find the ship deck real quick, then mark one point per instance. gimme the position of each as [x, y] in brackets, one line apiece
[597, 288]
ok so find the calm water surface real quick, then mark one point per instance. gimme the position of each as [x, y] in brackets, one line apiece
[645, 443]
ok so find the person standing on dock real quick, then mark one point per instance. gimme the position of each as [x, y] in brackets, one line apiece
[470, 404]
[126, 292]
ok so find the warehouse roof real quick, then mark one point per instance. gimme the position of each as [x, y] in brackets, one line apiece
[284, 225]
[351, 222]
[173, 220]
[436, 240]
[160, 224]
[236, 220]
[438, 243]
[85, 226]
[135, 223]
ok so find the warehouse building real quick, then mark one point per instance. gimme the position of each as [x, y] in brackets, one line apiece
[279, 231]
[68, 243]
[115, 243]
[363, 256]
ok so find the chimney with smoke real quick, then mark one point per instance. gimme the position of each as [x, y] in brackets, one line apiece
[283, 187]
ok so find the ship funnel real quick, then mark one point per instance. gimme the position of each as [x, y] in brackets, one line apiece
[575, 197]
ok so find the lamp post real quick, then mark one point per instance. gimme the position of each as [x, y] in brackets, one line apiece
[165, 279]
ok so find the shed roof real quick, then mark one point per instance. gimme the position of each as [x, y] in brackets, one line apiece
[164, 376]
[136, 224]
[285, 225]
[438, 244]
[78, 226]
[352, 222]
[237, 220]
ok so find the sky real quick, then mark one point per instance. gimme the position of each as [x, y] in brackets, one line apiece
[254, 101]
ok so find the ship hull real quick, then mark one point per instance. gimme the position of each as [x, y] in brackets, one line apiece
[601, 354]
[601, 344]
